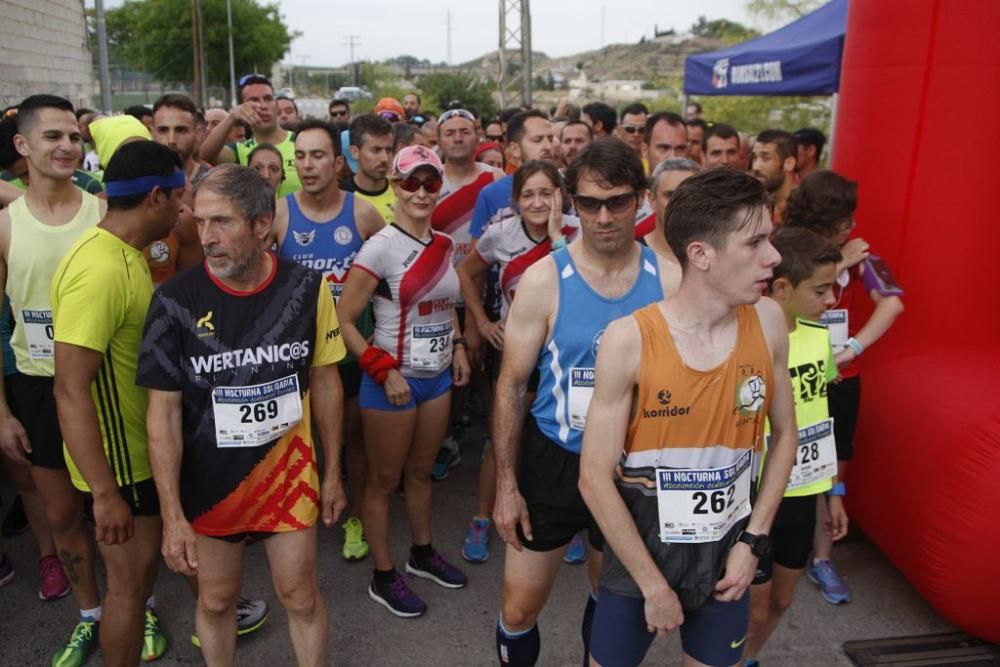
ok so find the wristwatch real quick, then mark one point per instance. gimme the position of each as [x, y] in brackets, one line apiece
[760, 545]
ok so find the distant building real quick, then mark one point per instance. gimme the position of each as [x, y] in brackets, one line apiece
[45, 50]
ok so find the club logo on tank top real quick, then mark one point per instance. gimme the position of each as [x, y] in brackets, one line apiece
[750, 395]
[811, 378]
[304, 238]
[159, 252]
[343, 235]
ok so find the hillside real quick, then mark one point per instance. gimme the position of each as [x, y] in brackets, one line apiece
[662, 57]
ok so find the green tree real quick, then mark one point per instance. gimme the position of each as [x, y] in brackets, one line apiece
[781, 11]
[730, 32]
[755, 113]
[442, 87]
[154, 36]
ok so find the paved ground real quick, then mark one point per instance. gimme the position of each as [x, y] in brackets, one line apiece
[459, 627]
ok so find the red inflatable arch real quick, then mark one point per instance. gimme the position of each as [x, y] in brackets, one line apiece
[918, 127]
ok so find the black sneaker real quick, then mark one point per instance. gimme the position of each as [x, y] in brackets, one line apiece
[16, 521]
[437, 569]
[396, 596]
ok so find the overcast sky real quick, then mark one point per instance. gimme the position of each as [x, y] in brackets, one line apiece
[387, 28]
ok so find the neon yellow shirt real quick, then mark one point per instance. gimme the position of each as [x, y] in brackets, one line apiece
[100, 294]
[811, 365]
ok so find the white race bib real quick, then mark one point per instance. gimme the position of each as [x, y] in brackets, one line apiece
[581, 390]
[256, 415]
[698, 506]
[38, 333]
[816, 457]
[836, 321]
[430, 346]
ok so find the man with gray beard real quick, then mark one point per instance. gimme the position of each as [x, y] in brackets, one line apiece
[235, 352]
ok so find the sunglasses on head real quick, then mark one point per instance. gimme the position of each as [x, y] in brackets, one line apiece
[390, 116]
[615, 205]
[432, 185]
[247, 79]
[456, 113]
[632, 129]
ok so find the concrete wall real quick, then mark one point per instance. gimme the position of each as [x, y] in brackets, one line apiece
[43, 49]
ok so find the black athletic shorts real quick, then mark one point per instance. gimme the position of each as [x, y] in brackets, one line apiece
[791, 537]
[548, 477]
[248, 537]
[140, 497]
[31, 401]
[350, 377]
[844, 398]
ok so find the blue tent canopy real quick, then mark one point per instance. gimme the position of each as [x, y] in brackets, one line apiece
[802, 58]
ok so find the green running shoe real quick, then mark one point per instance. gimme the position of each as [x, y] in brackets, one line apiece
[154, 642]
[355, 544]
[81, 643]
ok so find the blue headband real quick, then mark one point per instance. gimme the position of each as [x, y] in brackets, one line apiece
[145, 184]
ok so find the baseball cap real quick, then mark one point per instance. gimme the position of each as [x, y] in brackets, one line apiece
[412, 158]
[390, 104]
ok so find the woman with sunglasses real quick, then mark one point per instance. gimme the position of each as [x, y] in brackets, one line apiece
[417, 354]
[513, 245]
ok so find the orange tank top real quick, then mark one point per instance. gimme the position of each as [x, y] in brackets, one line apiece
[687, 418]
[693, 430]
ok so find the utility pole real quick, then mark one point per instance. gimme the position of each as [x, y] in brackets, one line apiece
[351, 41]
[196, 54]
[514, 75]
[232, 59]
[102, 57]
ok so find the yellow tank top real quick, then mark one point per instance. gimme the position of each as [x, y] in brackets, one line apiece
[35, 251]
[686, 418]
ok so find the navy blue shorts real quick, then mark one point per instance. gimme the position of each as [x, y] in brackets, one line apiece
[713, 634]
[372, 395]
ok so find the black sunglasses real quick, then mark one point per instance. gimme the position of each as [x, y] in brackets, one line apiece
[615, 205]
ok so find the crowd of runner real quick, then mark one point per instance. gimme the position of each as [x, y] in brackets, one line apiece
[223, 326]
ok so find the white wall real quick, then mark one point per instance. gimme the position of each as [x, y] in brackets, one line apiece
[43, 49]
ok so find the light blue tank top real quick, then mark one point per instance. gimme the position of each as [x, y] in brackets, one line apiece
[566, 364]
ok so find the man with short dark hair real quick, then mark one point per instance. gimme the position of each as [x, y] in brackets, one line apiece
[774, 166]
[36, 231]
[231, 405]
[722, 146]
[696, 137]
[670, 453]
[809, 143]
[693, 111]
[340, 110]
[664, 136]
[574, 137]
[600, 117]
[143, 113]
[411, 104]
[555, 324]
[288, 113]
[175, 124]
[100, 294]
[259, 109]
[371, 139]
[632, 126]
